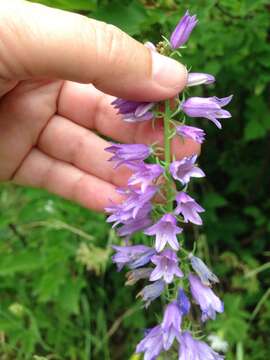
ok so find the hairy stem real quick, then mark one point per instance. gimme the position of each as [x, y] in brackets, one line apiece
[167, 151]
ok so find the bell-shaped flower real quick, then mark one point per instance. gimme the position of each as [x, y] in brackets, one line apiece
[185, 169]
[205, 274]
[195, 79]
[166, 266]
[191, 132]
[188, 207]
[183, 30]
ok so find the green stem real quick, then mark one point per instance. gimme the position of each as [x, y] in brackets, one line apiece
[167, 150]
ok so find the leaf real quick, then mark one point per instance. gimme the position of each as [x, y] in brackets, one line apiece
[24, 261]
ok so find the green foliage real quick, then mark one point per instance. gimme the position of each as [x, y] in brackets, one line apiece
[61, 298]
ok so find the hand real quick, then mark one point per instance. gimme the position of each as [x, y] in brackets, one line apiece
[50, 115]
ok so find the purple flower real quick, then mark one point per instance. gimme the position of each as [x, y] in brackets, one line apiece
[152, 344]
[171, 324]
[209, 108]
[133, 256]
[191, 132]
[165, 230]
[126, 153]
[195, 79]
[166, 266]
[137, 274]
[191, 349]
[134, 225]
[183, 302]
[145, 174]
[205, 298]
[205, 274]
[184, 169]
[189, 208]
[134, 111]
[183, 30]
[151, 292]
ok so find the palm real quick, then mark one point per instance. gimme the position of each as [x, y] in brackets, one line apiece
[46, 140]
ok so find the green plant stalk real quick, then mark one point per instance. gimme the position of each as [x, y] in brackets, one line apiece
[167, 154]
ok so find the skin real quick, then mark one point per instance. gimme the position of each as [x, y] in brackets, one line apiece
[59, 72]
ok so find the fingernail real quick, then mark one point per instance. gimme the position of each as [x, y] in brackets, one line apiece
[167, 72]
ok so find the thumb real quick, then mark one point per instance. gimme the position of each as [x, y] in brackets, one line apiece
[37, 41]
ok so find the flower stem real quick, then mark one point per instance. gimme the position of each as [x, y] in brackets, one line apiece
[167, 151]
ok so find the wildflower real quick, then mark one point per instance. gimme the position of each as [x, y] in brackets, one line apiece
[138, 274]
[209, 108]
[126, 153]
[152, 344]
[151, 292]
[205, 298]
[165, 230]
[191, 349]
[171, 324]
[189, 208]
[145, 174]
[133, 256]
[195, 79]
[183, 302]
[191, 132]
[134, 111]
[184, 169]
[134, 225]
[183, 30]
[166, 266]
[205, 274]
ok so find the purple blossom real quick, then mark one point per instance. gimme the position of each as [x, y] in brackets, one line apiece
[134, 111]
[171, 324]
[184, 169]
[166, 266]
[132, 226]
[183, 30]
[165, 230]
[133, 256]
[152, 344]
[189, 208]
[152, 292]
[195, 79]
[209, 108]
[135, 275]
[183, 302]
[205, 298]
[205, 274]
[191, 132]
[145, 174]
[191, 349]
[126, 153]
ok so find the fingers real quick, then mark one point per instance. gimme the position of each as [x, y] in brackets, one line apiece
[66, 141]
[44, 42]
[92, 109]
[39, 170]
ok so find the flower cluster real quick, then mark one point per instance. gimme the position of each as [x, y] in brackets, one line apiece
[157, 203]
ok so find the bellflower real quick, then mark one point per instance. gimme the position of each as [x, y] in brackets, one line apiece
[183, 30]
[134, 225]
[195, 79]
[189, 208]
[134, 111]
[151, 292]
[126, 153]
[205, 298]
[166, 266]
[133, 256]
[171, 324]
[183, 302]
[191, 132]
[135, 275]
[209, 108]
[152, 344]
[184, 169]
[145, 174]
[205, 274]
[165, 230]
[191, 349]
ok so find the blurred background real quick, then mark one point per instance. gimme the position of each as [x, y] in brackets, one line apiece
[61, 297]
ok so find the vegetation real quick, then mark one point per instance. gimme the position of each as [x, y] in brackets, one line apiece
[61, 297]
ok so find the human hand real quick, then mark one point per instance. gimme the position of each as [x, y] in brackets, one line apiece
[50, 115]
